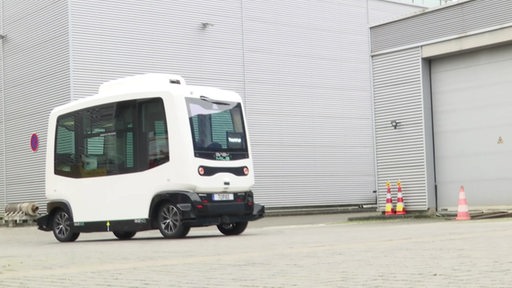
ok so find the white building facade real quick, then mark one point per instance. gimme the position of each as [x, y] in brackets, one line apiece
[302, 67]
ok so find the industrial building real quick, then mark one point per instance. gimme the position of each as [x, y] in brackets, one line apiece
[444, 78]
[302, 67]
[322, 81]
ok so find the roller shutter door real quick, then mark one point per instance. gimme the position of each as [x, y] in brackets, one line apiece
[472, 114]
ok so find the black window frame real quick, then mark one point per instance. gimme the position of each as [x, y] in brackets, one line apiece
[214, 150]
[134, 156]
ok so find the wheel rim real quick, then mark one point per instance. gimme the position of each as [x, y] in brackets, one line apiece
[170, 220]
[228, 226]
[61, 224]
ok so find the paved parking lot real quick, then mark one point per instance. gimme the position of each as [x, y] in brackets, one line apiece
[298, 251]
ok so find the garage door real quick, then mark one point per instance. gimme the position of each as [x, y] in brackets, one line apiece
[472, 114]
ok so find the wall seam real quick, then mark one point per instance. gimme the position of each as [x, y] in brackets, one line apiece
[370, 63]
[243, 51]
[70, 53]
[4, 176]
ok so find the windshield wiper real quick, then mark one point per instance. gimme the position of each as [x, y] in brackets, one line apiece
[204, 98]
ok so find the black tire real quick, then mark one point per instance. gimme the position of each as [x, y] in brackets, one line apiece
[232, 228]
[124, 235]
[170, 221]
[61, 226]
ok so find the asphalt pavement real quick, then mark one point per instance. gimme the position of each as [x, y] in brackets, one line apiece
[289, 251]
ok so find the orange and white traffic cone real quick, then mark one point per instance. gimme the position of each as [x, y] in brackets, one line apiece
[389, 201]
[400, 209]
[463, 209]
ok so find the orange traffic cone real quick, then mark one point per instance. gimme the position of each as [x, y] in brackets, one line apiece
[400, 209]
[389, 201]
[463, 209]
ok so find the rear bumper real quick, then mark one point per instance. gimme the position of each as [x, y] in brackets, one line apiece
[223, 215]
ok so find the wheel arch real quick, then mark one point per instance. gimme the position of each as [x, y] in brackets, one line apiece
[64, 232]
[52, 206]
[176, 197]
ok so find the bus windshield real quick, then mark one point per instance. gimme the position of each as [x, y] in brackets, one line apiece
[217, 127]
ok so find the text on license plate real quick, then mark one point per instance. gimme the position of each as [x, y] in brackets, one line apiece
[223, 197]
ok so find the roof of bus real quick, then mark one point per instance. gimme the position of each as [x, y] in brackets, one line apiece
[128, 88]
[143, 82]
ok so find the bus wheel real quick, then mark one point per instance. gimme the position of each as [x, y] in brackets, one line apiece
[124, 235]
[170, 222]
[61, 226]
[232, 228]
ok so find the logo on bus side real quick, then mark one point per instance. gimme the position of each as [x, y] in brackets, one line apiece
[223, 156]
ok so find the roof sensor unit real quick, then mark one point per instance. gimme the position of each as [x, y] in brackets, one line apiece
[142, 82]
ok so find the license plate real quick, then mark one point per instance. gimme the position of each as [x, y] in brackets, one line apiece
[223, 197]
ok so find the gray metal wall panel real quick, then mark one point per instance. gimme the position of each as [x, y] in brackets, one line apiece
[305, 81]
[3, 194]
[448, 21]
[400, 153]
[269, 51]
[133, 37]
[14, 10]
[309, 102]
[471, 97]
[36, 67]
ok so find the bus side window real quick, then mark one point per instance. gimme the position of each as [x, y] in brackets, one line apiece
[154, 134]
[108, 146]
[124, 142]
[65, 154]
[98, 133]
[108, 140]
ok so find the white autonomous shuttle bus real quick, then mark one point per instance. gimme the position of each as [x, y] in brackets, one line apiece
[149, 152]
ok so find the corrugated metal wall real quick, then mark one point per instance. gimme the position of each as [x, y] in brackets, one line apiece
[3, 194]
[305, 81]
[456, 19]
[398, 96]
[309, 101]
[35, 79]
[471, 97]
[131, 37]
[401, 74]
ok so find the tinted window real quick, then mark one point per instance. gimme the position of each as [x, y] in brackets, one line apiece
[65, 156]
[217, 128]
[104, 140]
[154, 134]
